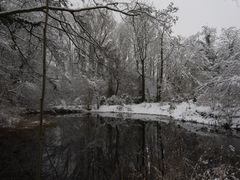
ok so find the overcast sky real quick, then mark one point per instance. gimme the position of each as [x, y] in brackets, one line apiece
[193, 14]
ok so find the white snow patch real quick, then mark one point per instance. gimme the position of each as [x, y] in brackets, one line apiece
[187, 111]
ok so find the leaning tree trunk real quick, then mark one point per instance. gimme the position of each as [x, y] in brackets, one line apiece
[39, 165]
[117, 86]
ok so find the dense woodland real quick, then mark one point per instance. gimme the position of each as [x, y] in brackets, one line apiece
[91, 55]
[55, 57]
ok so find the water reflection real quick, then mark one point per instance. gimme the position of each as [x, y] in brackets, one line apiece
[92, 147]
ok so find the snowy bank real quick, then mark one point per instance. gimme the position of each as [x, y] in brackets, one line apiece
[185, 111]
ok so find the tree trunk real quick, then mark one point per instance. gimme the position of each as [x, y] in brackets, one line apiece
[117, 87]
[39, 166]
[160, 72]
[158, 77]
[110, 87]
[143, 81]
[44, 68]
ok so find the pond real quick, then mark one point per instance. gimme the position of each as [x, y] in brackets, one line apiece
[93, 147]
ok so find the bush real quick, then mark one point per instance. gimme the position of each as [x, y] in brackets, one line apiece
[114, 100]
[102, 100]
[137, 99]
[126, 99]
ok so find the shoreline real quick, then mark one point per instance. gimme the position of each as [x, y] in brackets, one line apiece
[181, 112]
[185, 112]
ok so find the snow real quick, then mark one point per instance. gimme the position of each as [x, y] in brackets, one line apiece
[68, 107]
[187, 111]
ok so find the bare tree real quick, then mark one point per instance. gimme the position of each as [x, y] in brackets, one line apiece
[168, 19]
[44, 70]
[143, 34]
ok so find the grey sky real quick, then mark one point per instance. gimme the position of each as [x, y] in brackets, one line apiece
[193, 14]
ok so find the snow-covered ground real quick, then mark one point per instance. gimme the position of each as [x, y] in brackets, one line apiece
[187, 111]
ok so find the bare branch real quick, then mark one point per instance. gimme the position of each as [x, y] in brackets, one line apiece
[63, 9]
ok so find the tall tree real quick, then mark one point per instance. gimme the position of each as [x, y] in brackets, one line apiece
[165, 20]
[44, 71]
[143, 33]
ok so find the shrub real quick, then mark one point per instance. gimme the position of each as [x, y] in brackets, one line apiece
[137, 99]
[126, 99]
[102, 100]
[114, 100]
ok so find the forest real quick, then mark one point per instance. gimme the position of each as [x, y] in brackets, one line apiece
[93, 58]
[115, 58]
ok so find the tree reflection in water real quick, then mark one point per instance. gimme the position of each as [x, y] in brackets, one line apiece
[92, 147]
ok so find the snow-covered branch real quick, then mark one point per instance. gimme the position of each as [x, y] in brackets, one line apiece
[63, 9]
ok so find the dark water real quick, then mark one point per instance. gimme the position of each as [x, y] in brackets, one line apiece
[95, 148]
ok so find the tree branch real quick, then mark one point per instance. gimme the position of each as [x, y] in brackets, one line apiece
[63, 9]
